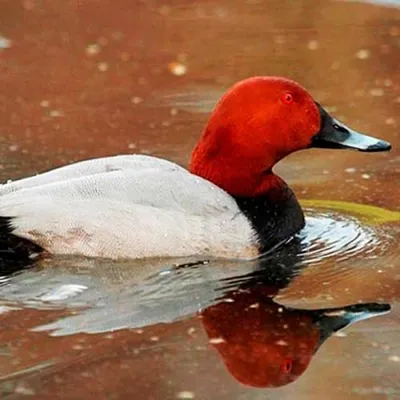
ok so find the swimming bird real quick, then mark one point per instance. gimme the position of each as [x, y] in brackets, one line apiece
[229, 203]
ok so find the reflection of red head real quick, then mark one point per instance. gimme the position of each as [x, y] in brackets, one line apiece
[261, 343]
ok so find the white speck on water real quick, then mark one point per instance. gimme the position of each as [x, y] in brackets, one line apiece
[24, 390]
[394, 358]
[282, 343]
[228, 300]
[132, 146]
[280, 309]
[340, 334]
[93, 49]
[154, 338]
[185, 394]
[350, 170]
[5, 43]
[103, 66]
[191, 331]
[55, 113]
[13, 147]
[390, 121]
[377, 92]
[216, 340]
[136, 100]
[255, 305]
[363, 54]
[366, 176]
[313, 45]
[44, 103]
[173, 111]
[177, 68]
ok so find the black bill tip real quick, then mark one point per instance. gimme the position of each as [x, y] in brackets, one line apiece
[380, 145]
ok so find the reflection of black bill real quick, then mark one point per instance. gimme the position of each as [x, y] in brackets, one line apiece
[332, 320]
[335, 135]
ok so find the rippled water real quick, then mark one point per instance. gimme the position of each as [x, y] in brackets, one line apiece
[100, 78]
[108, 296]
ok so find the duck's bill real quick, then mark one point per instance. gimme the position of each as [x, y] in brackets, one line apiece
[336, 135]
[333, 320]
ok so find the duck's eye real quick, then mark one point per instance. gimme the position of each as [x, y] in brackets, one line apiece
[286, 365]
[287, 98]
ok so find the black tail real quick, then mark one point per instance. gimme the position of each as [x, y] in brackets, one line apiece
[14, 248]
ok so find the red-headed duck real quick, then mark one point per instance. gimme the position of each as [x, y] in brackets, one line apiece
[229, 203]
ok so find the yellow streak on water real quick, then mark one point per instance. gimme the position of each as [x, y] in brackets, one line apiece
[368, 214]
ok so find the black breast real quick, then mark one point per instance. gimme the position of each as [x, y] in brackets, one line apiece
[275, 215]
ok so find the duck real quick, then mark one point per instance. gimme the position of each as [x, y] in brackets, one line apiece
[228, 204]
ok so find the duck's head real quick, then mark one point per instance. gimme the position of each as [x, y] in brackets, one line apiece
[258, 122]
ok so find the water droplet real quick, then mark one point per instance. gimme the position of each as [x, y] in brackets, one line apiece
[217, 340]
[55, 113]
[191, 331]
[136, 100]
[313, 45]
[185, 394]
[363, 54]
[93, 49]
[103, 66]
[177, 68]
[377, 92]
[5, 43]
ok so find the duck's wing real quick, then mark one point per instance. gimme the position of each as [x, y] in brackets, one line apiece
[136, 162]
[129, 214]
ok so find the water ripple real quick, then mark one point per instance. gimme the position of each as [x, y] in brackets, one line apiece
[332, 235]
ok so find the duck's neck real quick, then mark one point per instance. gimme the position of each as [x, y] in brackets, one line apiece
[265, 199]
[275, 214]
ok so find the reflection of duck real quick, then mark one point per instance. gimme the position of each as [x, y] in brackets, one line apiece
[230, 204]
[264, 344]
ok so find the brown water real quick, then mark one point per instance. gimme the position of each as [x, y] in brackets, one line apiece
[80, 79]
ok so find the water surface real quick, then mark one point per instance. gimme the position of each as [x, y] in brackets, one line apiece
[87, 79]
